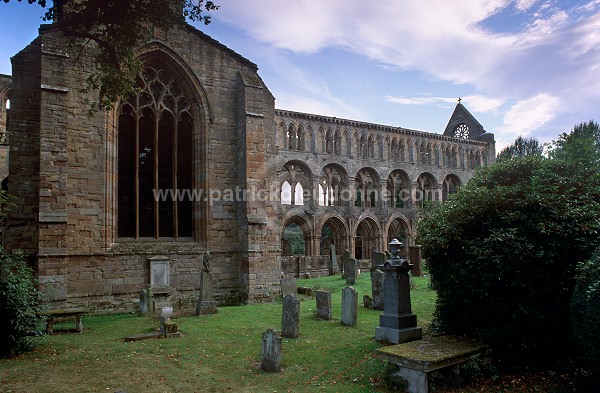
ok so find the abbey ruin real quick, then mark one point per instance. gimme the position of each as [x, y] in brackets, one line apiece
[200, 159]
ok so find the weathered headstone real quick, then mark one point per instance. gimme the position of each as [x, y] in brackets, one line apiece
[271, 351]
[377, 279]
[349, 306]
[288, 286]
[165, 318]
[367, 301]
[416, 259]
[143, 302]
[206, 302]
[333, 260]
[290, 316]
[350, 271]
[323, 299]
[377, 259]
[344, 258]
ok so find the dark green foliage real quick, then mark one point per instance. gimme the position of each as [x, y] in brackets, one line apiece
[585, 311]
[19, 306]
[503, 251]
[580, 146]
[522, 147]
[118, 28]
[293, 234]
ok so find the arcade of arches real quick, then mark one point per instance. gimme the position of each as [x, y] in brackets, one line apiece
[358, 185]
[92, 225]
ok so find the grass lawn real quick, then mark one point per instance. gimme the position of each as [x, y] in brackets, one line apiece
[218, 353]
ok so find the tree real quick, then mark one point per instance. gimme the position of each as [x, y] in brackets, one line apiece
[581, 146]
[521, 147]
[503, 253]
[585, 312]
[19, 305]
[117, 28]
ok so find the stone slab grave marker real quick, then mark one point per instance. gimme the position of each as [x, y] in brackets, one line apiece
[290, 317]
[350, 271]
[206, 302]
[271, 351]
[377, 259]
[159, 272]
[416, 259]
[377, 277]
[349, 306]
[417, 360]
[143, 303]
[288, 286]
[333, 259]
[367, 301]
[323, 299]
[343, 259]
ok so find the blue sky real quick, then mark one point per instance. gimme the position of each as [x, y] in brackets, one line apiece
[522, 67]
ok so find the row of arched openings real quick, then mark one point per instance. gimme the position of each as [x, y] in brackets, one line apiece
[333, 188]
[297, 234]
[396, 149]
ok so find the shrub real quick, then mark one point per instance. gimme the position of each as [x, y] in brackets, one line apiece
[19, 305]
[585, 311]
[503, 251]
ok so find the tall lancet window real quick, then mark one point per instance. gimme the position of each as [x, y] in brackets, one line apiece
[155, 160]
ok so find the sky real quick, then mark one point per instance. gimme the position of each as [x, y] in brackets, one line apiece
[521, 67]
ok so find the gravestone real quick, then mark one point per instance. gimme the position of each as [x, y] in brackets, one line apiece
[349, 306]
[344, 258]
[333, 258]
[350, 271]
[206, 302]
[290, 316]
[416, 259]
[288, 286]
[323, 299]
[377, 279]
[367, 301]
[143, 302]
[165, 320]
[377, 259]
[271, 351]
[397, 323]
[159, 272]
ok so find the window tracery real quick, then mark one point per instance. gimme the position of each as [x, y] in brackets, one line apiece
[155, 157]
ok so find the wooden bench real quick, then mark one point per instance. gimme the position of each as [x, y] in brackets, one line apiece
[417, 360]
[64, 313]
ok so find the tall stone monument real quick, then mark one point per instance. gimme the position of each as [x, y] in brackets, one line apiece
[206, 302]
[397, 324]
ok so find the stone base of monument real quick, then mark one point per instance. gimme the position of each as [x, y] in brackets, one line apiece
[397, 329]
[206, 307]
[398, 336]
[420, 361]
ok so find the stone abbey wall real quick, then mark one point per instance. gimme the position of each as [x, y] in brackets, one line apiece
[254, 170]
[365, 180]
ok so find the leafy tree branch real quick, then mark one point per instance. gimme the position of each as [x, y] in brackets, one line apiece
[118, 28]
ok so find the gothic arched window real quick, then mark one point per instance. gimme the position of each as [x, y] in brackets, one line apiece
[155, 159]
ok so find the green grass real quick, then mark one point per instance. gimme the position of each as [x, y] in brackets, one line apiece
[218, 352]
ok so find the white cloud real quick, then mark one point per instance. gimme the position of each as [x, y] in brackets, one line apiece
[557, 54]
[524, 5]
[476, 103]
[530, 114]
